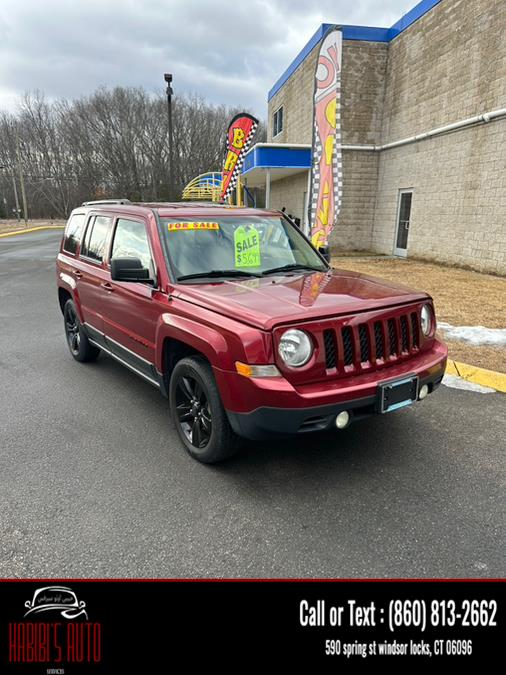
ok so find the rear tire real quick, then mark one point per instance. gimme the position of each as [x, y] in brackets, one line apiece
[77, 340]
[198, 413]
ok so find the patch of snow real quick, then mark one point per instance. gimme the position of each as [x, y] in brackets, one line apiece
[456, 382]
[476, 335]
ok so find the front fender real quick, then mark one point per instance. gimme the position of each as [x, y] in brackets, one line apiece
[199, 336]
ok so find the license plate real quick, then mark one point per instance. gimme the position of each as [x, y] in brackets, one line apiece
[398, 393]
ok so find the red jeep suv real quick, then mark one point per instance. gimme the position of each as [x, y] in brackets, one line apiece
[240, 322]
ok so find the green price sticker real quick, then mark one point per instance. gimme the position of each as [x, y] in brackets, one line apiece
[247, 247]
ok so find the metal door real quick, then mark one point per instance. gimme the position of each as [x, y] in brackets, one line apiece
[403, 221]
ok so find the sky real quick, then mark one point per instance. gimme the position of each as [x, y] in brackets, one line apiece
[228, 51]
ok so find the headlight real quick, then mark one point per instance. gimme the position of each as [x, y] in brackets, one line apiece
[426, 319]
[295, 348]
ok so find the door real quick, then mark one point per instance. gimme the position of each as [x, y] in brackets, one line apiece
[403, 221]
[130, 310]
[91, 275]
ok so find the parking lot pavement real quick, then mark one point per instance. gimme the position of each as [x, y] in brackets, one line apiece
[94, 483]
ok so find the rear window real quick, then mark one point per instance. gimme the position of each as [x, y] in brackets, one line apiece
[73, 233]
[96, 238]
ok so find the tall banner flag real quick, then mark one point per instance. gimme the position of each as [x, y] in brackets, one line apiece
[326, 164]
[240, 133]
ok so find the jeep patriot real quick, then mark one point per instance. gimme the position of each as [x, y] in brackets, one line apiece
[240, 322]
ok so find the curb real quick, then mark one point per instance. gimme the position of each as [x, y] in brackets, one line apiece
[33, 229]
[487, 378]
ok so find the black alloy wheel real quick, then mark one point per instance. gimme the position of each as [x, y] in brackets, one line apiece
[72, 330]
[198, 413]
[77, 340]
[193, 411]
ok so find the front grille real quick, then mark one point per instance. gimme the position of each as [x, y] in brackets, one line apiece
[329, 341]
[387, 339]
[348, 346]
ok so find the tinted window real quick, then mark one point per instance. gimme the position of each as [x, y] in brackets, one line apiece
[96, 238]
[131, 241]
[73, 233]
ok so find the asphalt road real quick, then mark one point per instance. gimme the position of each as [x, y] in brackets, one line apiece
[94, 483]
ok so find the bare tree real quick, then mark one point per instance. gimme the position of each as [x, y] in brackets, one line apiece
[113, 143]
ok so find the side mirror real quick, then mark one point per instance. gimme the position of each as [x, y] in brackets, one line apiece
[324, 251]
[128, 269]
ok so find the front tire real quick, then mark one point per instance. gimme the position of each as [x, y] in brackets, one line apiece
[77, 340]
[198, 413]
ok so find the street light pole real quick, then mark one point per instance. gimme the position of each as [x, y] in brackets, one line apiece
[168, 78]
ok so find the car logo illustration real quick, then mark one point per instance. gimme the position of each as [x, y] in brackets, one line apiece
[57, 601]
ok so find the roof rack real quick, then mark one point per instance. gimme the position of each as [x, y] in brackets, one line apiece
[106, 201]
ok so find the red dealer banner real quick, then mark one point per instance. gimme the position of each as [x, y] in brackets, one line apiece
[326, 165]
[240, 133]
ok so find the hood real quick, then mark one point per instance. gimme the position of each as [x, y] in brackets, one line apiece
[273, 300]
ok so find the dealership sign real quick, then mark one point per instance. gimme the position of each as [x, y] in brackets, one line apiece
[326, 164]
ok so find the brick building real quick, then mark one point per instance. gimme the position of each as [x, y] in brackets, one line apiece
[423, 123]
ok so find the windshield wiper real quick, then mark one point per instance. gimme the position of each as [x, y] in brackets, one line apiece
[218, 273]
[293, 266]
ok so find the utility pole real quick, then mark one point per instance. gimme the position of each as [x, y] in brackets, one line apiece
[14, 189]
[168, 78]
[21, 180]
[16, 198]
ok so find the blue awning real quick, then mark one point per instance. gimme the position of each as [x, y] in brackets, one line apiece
[281, 160]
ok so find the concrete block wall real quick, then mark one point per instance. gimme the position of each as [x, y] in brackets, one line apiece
[289, 192]
[458, 212]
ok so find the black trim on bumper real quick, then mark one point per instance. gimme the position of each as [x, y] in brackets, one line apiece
[266, 422]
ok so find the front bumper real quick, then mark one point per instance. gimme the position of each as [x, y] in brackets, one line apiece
[281, 413]
[265, 423]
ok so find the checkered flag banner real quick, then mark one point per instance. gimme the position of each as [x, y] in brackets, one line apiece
[240, 133]
[326, 163]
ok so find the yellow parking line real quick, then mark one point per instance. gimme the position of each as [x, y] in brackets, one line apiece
[33, 229]
[487, 378]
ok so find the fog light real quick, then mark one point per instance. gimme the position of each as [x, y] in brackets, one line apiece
[424, 390]
[343, 419]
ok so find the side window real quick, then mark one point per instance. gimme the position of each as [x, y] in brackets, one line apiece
[95, 238]
[73, 233]
[131, 240]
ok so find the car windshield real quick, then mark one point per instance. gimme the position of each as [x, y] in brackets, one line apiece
[237, 246]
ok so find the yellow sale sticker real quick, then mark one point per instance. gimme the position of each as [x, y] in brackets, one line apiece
[175, 227]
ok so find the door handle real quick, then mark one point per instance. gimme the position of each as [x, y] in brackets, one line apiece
[78, 274]
[107, 286]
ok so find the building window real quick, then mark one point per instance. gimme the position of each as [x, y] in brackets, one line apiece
[277, 122]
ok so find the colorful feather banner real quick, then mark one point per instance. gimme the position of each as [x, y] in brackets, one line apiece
[326, 165]
[240, 133]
